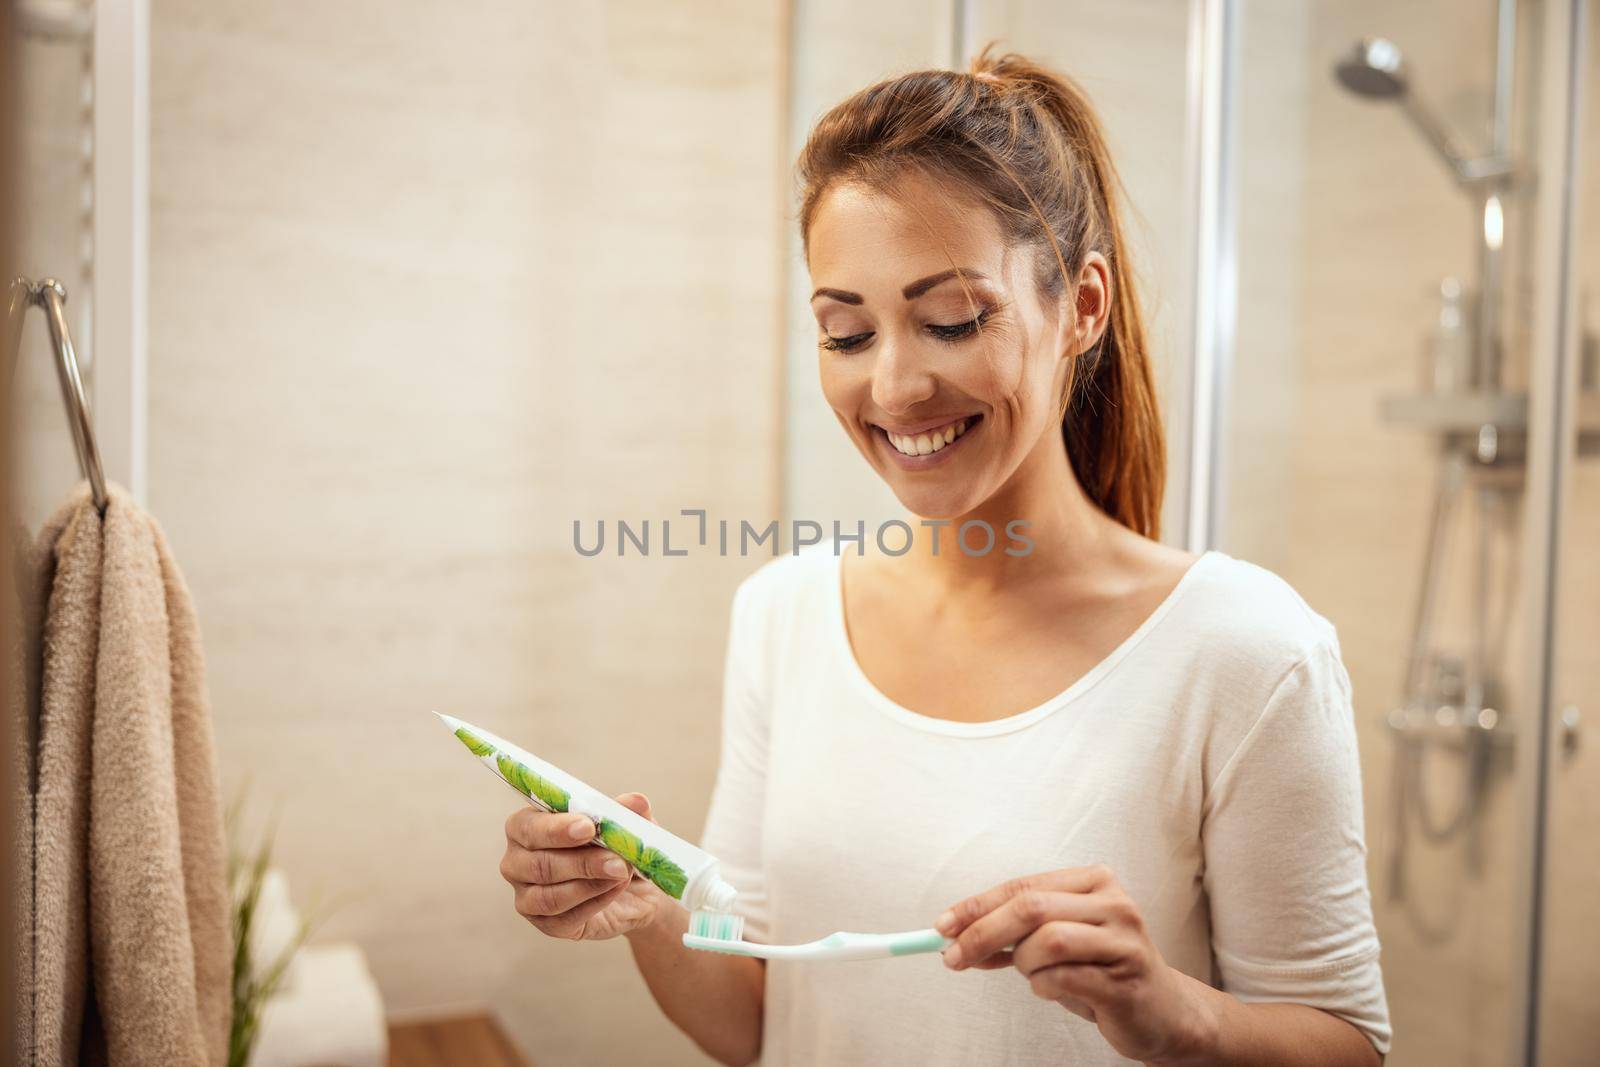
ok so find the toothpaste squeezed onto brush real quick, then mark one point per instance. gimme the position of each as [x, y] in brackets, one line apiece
[682, 871]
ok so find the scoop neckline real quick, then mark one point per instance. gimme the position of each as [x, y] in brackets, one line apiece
[840, 639]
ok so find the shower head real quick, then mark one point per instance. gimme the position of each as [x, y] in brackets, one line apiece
[1373, 69]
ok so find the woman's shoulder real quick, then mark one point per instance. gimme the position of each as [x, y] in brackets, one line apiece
[791, 574]
[1251, 646]
[1247, 609]
[781, 590]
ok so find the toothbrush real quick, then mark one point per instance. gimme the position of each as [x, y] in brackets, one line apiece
[712, 931]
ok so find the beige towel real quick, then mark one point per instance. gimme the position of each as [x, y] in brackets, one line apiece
[24, 606]
[133, 946]
[70, 575]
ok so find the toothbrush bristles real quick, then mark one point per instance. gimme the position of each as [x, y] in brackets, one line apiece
[716, 925]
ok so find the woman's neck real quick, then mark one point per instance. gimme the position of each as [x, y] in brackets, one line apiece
[1068, 531]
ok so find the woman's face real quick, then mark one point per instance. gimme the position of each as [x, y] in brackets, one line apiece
[945, 414]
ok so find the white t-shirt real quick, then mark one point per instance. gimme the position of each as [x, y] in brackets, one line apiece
[1209, 761]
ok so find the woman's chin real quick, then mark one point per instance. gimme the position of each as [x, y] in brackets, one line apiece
[929, 504]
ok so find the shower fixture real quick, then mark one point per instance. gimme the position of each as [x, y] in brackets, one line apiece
[1451, 697]
[1451, 701]
[1375, 69]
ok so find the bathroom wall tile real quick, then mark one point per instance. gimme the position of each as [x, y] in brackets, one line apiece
[429, 283]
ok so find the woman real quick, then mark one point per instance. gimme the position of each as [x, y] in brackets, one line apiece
[1122, 778]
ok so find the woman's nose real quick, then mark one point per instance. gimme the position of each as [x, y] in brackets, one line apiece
[901, 377]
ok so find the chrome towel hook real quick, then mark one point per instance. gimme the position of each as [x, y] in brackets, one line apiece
[51, 295]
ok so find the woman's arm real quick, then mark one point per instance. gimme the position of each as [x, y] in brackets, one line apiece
[1291, 921]
[713, 998]
[1078, 939]
[1283, 833]
[1267, 1035]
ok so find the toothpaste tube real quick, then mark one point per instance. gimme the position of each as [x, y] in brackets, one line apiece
[682, 871]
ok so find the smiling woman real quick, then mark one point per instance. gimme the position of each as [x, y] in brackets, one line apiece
[996, 196]
[1122, 779]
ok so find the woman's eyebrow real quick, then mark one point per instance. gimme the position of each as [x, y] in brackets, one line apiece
[910, 292]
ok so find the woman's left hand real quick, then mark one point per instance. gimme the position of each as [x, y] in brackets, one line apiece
[1079, 940]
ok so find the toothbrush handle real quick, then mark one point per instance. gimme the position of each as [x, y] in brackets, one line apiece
[839, 946]
[908, 943]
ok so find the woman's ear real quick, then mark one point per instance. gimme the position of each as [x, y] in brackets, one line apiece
[1091, 304]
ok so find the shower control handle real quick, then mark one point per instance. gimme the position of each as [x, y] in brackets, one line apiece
[1571, 720]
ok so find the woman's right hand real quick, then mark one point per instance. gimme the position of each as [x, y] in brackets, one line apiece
[567, 886]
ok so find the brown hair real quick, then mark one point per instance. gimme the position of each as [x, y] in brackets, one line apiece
[1026, 140]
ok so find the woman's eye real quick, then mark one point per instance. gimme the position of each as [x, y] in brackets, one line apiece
[952, 332]
[844, 344]
[960, 329]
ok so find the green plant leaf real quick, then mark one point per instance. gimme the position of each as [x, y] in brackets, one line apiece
[254, 986]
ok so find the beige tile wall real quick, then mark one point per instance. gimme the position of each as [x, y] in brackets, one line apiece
[1260, 411]
[429, 282]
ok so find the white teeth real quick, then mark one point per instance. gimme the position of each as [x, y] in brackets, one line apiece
[925, 443]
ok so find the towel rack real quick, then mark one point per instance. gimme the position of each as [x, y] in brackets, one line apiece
[51, 295]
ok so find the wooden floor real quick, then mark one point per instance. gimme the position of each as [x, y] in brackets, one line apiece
[469, 1041]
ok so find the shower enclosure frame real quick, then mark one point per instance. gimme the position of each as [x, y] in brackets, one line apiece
[1214, 76]
[1552, 447]
[121, 235]
[1212, 162]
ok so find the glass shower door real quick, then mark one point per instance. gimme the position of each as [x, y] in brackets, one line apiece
[1374, 450]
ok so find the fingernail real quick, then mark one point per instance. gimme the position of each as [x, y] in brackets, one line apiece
[952, 955]
[581, 829]
[615, 868]
[946, 923]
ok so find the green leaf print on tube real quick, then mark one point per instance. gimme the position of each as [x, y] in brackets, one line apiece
[530, 784]
[651, 862]
[478, 745]
[685, 873]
